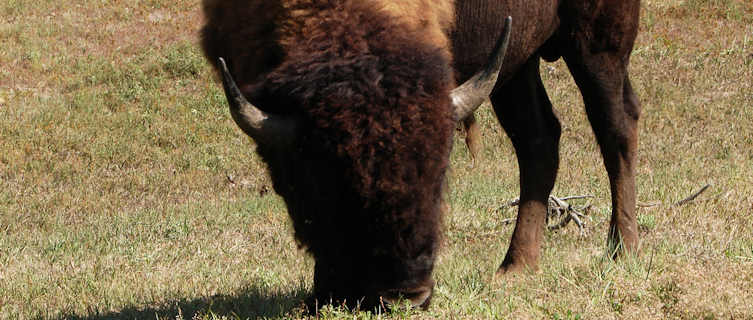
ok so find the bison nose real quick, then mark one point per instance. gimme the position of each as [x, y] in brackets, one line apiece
[419, 298]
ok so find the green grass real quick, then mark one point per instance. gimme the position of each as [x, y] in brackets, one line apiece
[126, 191]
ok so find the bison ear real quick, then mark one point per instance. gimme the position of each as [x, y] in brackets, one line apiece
[467, 97]
[267, 129]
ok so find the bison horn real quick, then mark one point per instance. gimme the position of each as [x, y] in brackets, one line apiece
[264, 128]
[467, 97]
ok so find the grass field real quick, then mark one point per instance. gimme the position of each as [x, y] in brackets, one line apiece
[127, 192]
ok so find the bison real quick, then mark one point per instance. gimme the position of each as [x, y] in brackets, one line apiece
[352, 105]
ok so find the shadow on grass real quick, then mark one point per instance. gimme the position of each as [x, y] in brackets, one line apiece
[248, 303]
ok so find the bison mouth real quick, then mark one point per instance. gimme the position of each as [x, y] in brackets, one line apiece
[418, 297]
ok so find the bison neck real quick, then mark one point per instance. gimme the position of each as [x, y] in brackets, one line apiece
[479, 23]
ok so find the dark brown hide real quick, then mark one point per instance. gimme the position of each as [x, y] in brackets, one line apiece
[364, 178]
[363, 182]
[595, 37]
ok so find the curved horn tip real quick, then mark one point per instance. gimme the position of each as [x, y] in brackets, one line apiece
[262, 127]
[233, 94]
[223, 66]
[467, 97]
[227, 78]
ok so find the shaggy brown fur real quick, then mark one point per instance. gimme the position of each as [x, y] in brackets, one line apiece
[369, 80]
[363, 184]
[258, 33]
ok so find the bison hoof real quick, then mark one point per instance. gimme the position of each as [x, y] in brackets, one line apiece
[511, 269]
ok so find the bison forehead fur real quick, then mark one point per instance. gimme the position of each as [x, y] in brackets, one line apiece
[263, 31]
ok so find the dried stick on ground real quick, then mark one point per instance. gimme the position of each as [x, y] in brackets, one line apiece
[692, 196]
[558, 207]
[640, 204]
[687, 200]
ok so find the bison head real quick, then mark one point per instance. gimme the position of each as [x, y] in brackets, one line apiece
[353, 114]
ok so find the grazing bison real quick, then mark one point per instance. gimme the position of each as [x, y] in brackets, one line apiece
[352, 104]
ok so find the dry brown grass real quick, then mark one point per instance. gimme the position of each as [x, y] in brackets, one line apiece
[115, 203]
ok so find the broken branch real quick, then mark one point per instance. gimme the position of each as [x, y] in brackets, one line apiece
[558, 207]
[692, 196]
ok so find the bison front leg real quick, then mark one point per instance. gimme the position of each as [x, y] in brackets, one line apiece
[613, 111]
[525, 112]
[597, 54]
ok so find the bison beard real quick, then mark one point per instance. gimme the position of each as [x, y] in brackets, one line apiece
[363, 179]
